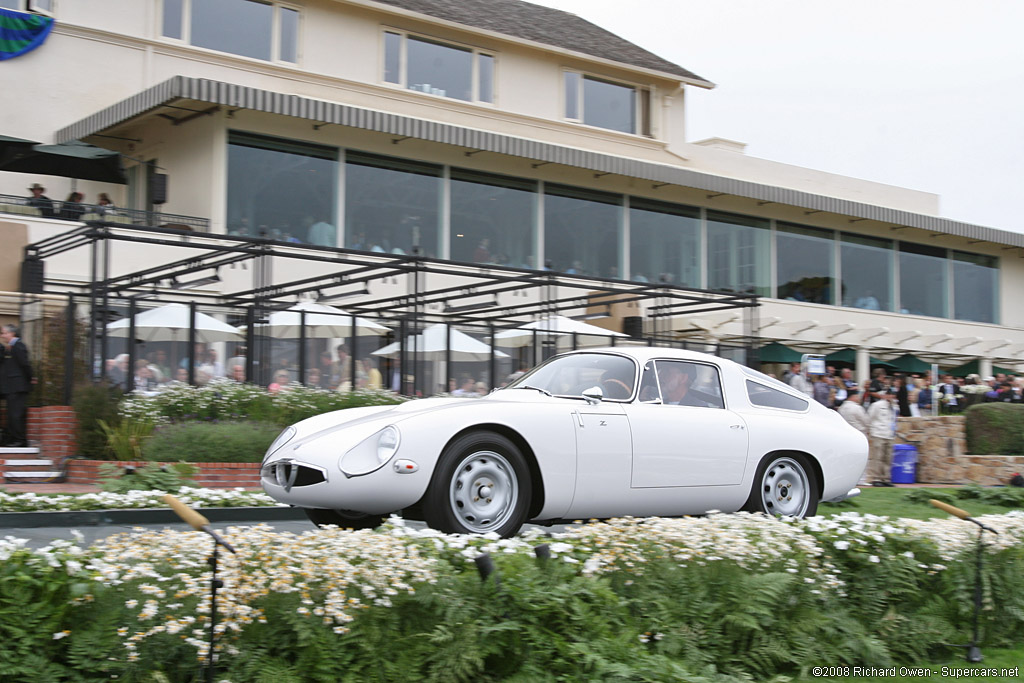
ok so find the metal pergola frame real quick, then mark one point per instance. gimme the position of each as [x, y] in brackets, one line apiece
[544, 292]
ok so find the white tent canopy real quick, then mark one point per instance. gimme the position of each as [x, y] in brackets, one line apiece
[322, 322]
[552, 326]
[171, 323]
[432, 342]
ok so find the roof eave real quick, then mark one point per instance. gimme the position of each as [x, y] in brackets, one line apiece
[546, 47]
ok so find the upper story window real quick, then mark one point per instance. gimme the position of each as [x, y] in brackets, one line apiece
[40, 6]
[250, 28]
[438, 68]
[606, 104]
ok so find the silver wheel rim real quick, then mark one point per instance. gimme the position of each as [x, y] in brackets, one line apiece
[483, 491]
[785, 488]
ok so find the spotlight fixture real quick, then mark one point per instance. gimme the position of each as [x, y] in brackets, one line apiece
[322, 298]
[192, 284]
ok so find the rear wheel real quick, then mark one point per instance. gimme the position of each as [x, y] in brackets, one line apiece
[481, 484]
[785, 484]
[346, 519]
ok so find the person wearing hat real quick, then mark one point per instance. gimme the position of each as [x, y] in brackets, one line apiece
[41, 201]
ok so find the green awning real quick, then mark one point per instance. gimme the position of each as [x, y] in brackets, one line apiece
[779, 353]
[848, 358]
[974, 368]
[910, 363]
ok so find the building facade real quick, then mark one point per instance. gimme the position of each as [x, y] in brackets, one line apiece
[490, 133]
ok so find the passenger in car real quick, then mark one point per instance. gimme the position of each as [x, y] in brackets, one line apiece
[676, 379]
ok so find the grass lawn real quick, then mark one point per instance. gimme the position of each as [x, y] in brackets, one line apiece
[893, 502]
[998, 659]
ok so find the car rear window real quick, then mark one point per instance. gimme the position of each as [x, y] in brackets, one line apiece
[767, 397]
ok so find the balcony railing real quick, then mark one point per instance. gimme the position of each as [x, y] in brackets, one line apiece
[81, 213]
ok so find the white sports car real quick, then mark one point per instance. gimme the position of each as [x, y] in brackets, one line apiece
[589, 434]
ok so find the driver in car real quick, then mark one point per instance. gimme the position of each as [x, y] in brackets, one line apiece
[675, 379]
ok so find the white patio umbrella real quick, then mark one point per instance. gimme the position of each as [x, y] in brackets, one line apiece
[430, 345]
[322, 322]
[553, 326]
[171, 323]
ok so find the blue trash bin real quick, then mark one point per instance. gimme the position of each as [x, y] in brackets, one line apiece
[904, 463]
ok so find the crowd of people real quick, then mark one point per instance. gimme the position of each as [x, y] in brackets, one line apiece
[874, 406]
[72, 208]
[154, 372]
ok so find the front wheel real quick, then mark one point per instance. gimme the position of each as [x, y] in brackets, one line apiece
[785, 485]
[481, 484]
[346, 519]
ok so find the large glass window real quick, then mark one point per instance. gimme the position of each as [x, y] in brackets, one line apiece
[582, 231]
[738, 253]
[282, 189]
[240, 27]
[601, 103]
[975, 283]
[493, 219]
[392, 205]
[805, 263]
[438, 68]
[923, 280]
[867, 267]
[664, 243]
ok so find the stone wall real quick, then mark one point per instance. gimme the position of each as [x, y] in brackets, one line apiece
[942, 459]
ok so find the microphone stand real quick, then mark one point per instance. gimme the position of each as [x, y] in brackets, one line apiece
[973, 650]
[200, 523]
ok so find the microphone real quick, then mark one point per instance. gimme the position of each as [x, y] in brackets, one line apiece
[962, 514]
[195, 520]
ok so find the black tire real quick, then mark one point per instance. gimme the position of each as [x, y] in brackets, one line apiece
[346, 519]
[780, 478]
[481, 484]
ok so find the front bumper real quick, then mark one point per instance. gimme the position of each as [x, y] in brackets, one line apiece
[299, 482]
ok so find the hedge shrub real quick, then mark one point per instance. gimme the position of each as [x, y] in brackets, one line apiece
[995, 429]
[240, 441]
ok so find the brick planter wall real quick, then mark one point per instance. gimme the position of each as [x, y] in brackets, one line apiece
[211, 475]
[53, 427]
[941, 459]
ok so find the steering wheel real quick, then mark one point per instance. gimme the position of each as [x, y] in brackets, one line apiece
[614, 385]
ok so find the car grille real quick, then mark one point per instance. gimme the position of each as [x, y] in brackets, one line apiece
[289, 474]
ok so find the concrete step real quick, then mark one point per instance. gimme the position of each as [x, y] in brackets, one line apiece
[37, 474]
[30, 462]
[21, 450]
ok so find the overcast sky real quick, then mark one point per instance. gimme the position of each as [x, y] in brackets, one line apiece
[923, 94]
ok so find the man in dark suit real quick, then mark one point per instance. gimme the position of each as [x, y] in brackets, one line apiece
[15, 381]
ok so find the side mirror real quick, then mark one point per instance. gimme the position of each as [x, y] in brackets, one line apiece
[594, 395]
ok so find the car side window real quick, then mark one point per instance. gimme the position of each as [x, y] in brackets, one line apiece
[769, 397]
[689, 384]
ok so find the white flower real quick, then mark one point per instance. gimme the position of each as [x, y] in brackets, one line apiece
[841, 545]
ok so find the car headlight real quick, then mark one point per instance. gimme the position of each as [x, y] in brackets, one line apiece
[371, 454]
[282, 438]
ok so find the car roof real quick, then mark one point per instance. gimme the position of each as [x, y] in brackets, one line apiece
[645, 353]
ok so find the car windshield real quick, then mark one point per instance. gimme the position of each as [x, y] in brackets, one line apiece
[573, 374]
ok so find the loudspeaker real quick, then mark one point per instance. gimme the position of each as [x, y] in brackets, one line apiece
[32, 276]
[158, 188]
[633, 325]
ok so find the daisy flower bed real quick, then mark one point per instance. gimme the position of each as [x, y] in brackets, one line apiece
[719, 598]
[131, 500]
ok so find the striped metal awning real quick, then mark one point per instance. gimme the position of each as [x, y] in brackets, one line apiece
[242, 97]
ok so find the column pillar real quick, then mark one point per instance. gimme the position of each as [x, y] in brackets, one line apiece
[985, 367]
[863, 369]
